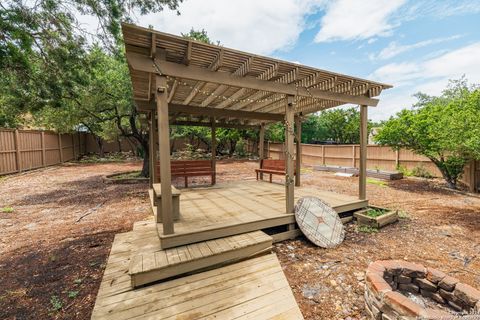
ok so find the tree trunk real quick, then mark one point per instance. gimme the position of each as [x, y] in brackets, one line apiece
[146, 162]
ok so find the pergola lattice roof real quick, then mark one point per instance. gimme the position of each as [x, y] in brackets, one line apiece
[202, 77]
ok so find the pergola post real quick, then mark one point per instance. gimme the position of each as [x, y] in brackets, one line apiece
[362, 180]
[164, 148]
[156, 175]
[289, 139]
[298, 151]
[214, 150]
[151, 158]
[261, 146]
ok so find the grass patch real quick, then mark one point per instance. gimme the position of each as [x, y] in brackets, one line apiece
[380, 183]
[367, 229]
[128, 175]
[7, 210]
[375, 212]
[403, 215]
[56, 303]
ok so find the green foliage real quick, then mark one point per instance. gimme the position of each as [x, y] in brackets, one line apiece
[374, 212]
[201, 36]
[56, 303]
[78, 281]
[7, 210]
[73, 294]
[339, 125]
[421, 171]
[444, 129]
[377, 182]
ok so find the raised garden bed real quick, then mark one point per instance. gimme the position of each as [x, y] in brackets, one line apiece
[375, 217]
[128, 177]
[379, 174]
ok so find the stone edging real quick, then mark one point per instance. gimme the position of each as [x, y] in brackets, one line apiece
[383, 301]
[112, 180]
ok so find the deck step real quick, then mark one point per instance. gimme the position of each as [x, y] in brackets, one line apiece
[151, 266]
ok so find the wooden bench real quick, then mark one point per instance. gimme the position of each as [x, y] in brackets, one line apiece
[190, 168]
[271, 167]
[157, 200]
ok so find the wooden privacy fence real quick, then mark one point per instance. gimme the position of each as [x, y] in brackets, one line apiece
[22, 150]
[378, 157]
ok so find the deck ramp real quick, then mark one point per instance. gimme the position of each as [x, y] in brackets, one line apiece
[251, 289]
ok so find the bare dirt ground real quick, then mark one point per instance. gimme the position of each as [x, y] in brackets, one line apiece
[55, 243]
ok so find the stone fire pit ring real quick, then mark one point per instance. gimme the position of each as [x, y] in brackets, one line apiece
[385, 280]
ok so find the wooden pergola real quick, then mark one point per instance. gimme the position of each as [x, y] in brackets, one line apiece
[178, 81]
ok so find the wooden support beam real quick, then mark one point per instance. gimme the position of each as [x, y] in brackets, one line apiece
[209, 124]
[214, 150]
[289, 139]
[164, 144]
[188, 54]
[213, 112]
[142, 63]
[298, 151]
[261, 146]
[362, 179]
[156, 177]
[151, 149]
[171, 93]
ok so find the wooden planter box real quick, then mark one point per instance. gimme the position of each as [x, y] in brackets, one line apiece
[388, 217]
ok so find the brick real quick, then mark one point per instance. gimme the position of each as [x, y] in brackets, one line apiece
[392, 267]
[401, 304]
[376, 267]
[455, 306]
[409, 287]
[403, 279]
[435, 296]
[448, 283]
[434, 275]
[411, 269]
[447, 295]
[376, 283]
[467, 294]
[425, 284]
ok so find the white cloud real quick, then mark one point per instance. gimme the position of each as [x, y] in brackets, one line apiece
[394, 49]
[251, 25]
[356, 20]
[429, 76]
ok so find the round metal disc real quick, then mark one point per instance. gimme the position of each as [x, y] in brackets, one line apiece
[319, 222]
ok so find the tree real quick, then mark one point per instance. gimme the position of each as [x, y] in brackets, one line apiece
[50, 70]
[444, 129]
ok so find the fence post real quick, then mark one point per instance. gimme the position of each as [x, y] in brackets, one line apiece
[397, 158]
[60, 147]
[323, 155]
[17, 151]
[44, 157]
[73, 146]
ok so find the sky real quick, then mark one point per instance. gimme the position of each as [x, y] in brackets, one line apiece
[412, 45]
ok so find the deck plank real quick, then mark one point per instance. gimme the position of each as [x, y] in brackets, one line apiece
[151, 266]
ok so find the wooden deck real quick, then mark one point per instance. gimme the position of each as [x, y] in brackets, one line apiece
[251, 289]
[239, 207]
[157, 264]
